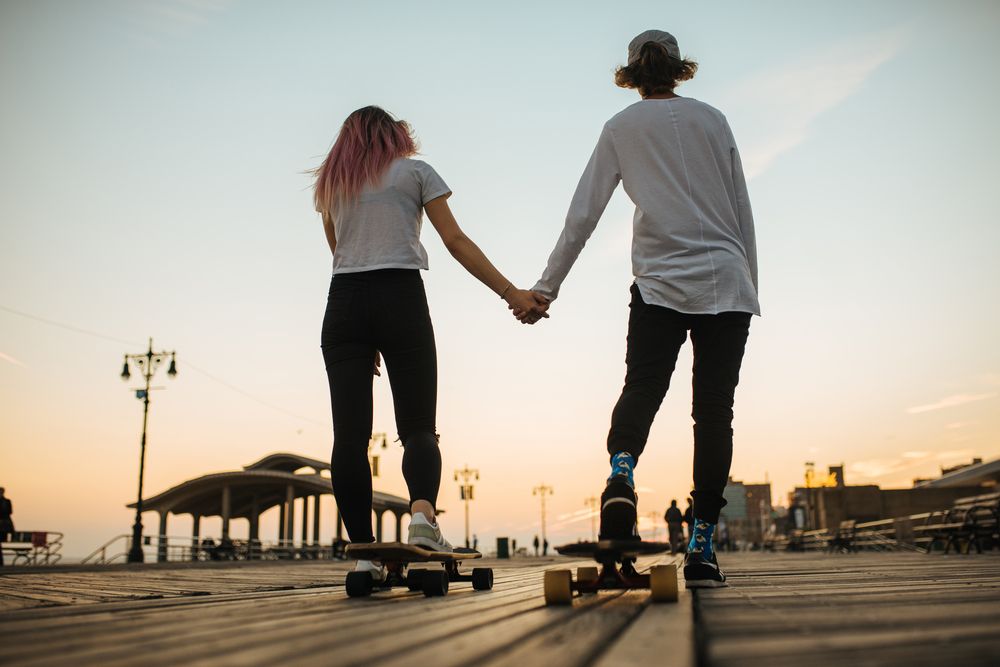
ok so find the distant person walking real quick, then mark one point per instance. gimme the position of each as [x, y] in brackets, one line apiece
[6, 520]
[372, 194]
[694, 258]
[675, 526]
[536, 544]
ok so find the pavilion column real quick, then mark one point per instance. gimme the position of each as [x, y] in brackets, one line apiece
[399, 526]
[340, 526]
[226, 509]
[316, 518]
[378, 525]
[290, 515]
[195, 535]
[305, 520]
[281, 523]
[254, 528]
[161, 540]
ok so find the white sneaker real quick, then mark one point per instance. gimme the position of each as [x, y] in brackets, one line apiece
[423, 533]
[377, 570]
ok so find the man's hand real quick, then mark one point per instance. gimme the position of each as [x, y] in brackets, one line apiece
[530, 306]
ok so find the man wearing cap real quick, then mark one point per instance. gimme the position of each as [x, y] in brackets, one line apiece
[694, 259]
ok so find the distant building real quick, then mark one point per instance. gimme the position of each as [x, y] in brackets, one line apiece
[976, 473]
[748, 514]
[825, 505]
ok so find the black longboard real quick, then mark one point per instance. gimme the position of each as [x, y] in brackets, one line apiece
[397, 556]
[617, 559]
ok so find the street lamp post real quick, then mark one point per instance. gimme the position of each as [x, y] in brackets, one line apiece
[374, 458]
[542, 491]
[147, 363]
[465, 494]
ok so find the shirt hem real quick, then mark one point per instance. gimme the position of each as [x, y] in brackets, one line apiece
[376, 267]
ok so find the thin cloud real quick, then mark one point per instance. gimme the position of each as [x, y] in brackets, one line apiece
[950, 402]
[11, 360]
[150, 21]
[877, 469]
[781, 104]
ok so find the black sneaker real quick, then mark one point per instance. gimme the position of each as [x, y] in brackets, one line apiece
[619, 512]
[703, 572]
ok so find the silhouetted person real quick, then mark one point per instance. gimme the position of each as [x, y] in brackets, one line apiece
[536, 543]
[545, 547]
[675, 526]
[475, 543]
[6, 520]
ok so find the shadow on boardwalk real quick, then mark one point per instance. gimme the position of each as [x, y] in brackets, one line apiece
[812, 609]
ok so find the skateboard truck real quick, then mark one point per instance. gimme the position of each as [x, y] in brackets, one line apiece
[661, 580]
[396, 557]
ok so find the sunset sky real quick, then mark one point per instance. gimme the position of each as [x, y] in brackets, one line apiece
[152, 183]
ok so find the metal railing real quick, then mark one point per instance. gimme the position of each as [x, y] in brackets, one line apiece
[173, 548]
[32, 547]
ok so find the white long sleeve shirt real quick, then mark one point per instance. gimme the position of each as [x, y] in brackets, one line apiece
[693, 244]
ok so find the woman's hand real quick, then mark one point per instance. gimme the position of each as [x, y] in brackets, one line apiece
[528, 307]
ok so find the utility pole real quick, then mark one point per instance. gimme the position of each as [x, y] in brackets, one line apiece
[147, 363]
[465, 494]
[542, 491]
[591, 502]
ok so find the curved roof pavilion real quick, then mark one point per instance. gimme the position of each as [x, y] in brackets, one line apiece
[277, 479]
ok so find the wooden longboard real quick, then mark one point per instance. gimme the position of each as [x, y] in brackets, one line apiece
[406, 553]
[613, 548]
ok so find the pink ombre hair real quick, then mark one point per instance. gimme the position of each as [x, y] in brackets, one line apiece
[368, 142]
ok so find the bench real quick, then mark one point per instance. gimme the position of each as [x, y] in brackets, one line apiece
[970, 522]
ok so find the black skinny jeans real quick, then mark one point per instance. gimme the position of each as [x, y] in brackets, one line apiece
[384, 311]
[655, 336]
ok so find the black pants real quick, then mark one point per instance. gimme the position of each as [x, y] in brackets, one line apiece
[655, 336]
[384, 311]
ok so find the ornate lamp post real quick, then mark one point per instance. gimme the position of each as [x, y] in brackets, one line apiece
[466, 474]
[147, 363]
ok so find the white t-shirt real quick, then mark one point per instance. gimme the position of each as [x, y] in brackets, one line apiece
[693, 243]
[381, 229]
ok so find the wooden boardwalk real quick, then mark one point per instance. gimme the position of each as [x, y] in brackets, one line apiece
[813, 609]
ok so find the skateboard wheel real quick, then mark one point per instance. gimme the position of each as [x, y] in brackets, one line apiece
[359, 584]
[558, 587]
[663, 583]
[415, 578]
[482, 578]
[587, 574]
[434, 583]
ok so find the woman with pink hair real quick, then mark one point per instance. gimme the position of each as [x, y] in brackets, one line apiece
[372, 195]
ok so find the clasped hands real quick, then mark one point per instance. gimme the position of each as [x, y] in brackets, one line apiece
[527, 306]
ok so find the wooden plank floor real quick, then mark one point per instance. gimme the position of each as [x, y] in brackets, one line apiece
[852, 609]
[869, 609]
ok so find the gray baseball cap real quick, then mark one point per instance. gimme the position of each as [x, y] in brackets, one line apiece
[657, 37]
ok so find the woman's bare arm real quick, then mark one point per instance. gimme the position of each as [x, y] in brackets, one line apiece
[331, 234]
[469, 255]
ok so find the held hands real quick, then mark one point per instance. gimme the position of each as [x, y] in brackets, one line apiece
[527, 306]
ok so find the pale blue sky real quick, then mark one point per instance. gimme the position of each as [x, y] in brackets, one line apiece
[151, 183]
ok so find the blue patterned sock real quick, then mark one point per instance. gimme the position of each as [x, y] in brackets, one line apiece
[701, 538]
[622, 465]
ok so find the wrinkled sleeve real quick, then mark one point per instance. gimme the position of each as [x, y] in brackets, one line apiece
[432, 185]
[744, 214]
[596, 186]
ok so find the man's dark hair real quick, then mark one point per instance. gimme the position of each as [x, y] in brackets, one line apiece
[655, 72]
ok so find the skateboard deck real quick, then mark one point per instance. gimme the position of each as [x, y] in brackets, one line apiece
[406, 553]
[397, 556]
[613, 548]
[661, 579]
